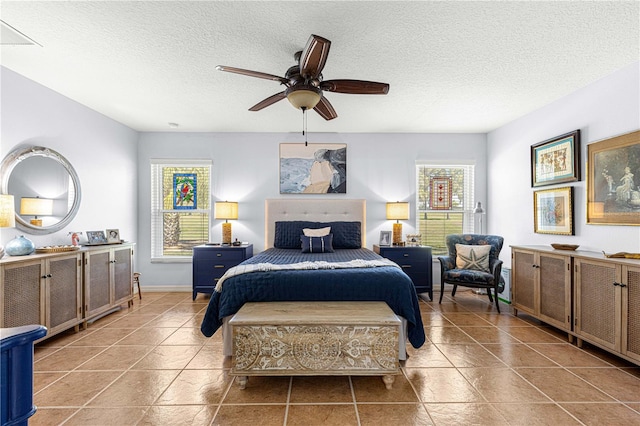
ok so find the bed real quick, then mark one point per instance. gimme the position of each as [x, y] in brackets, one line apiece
[282, 272]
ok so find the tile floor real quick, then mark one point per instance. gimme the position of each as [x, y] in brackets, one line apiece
[149, 365]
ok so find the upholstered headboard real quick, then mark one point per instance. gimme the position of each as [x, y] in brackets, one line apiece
[319, 210]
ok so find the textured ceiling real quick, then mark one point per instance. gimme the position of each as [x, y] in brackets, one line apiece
[452, 66]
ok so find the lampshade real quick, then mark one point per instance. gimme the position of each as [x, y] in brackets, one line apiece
[306, 98]
[36, 206]
[226, 210]
[398, 211]
[7, 211]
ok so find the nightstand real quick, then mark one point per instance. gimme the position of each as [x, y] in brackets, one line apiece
[414, 261]
[211, 262]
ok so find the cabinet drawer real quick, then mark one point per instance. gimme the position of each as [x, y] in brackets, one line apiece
[220, 256]
[406, 257]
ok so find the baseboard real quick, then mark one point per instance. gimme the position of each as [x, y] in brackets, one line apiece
[162, 288]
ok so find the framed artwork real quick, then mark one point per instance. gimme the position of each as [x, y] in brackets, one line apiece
[96, 237]
[113, 236]
[440, 190]
[556, 160]
[185, 191]
[313, 168]
[385, 238]
[553, 211]
[613, 178]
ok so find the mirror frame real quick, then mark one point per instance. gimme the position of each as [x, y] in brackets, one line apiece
[16, 157]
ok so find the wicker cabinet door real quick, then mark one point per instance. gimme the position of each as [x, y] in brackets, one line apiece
[598, 303]
[97, 282]
[523, 280]
[554, 281]
[122, 274]
[63, 292]
[23, 294]
[631, 313]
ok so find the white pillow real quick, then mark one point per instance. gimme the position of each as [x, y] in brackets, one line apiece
[320, 232]
[473, 257]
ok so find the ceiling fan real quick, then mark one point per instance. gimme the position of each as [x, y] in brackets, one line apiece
[304, 83]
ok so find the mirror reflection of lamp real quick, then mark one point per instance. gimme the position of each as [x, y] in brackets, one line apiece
[227, 210]
[7, 215]
[36, 206]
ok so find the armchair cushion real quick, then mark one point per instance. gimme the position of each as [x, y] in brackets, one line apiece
[475, 257]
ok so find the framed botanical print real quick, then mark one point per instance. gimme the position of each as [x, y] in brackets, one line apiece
[613, 180]
[556, 160]
[553, 211]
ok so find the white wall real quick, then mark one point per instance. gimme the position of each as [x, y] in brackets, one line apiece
[102, 151]
[606, 108]
[380, 168]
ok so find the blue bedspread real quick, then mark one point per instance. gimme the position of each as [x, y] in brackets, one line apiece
[386, 283]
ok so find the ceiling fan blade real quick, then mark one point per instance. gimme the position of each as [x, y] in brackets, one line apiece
[325, 109]
[355, 87]
[252, 73]
[269, 101]
[314, 56]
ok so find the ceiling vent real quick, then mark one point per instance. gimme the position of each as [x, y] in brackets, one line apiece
[9, 36]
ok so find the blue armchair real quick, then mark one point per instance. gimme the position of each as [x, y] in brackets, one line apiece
[472, 268]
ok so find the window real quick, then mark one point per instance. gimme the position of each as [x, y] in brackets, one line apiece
[444, 208]
[180, 208]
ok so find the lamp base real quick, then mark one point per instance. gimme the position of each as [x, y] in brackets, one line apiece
[36, 222]
[397, 234]
[226, 233]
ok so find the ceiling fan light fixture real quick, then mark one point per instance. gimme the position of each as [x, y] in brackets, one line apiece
[306, 97]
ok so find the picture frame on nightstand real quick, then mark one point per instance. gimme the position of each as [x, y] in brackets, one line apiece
[385, 238]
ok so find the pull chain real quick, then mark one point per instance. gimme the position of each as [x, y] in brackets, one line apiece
[304, 125]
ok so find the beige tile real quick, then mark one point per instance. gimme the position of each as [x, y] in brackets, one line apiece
[116, 358]
[519, 355]
[447, 335]
[426, 356]
[186, 336]
[42, 380]
[322, 415]
[197, 387]
[263, 415]
[603, 414]
[75, 389]
[466, 414]
[210, 357]
[51, 416]
[372, 389]
[469, 355]
[502, 319]
[468, 319]
[434, 319]
[441, 385]
[562, 386]
[502, 385]
[151, 309]
[132, 321]
[117, 416]
[543, 414]
[136, 388]
[532, 335]
[260, 390]
[568, 355]
[102, 337]
[187, 308]
[172, 320]
[617, 383]
[180, 415]
[393, 414]
[488, 335]
[321, 389]
[67, 358]
[147, 336]
[167, 357]
[40, 352]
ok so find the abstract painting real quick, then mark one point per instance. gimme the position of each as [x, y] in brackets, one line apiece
[313, 168]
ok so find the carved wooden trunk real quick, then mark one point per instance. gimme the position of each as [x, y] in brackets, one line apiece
[315, 338]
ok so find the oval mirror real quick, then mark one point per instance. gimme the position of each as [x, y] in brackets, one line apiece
[45, 187]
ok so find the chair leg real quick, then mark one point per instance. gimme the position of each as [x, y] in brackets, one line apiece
[455, 287]
[441, 290]
[495, 290]
[489, 294]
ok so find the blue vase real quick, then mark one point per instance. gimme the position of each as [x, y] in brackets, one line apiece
[19, 246]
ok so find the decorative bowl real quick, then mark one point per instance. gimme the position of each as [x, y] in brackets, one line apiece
[564, 246]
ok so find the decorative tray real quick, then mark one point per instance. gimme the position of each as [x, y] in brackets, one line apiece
[56, 249]
[565, 246]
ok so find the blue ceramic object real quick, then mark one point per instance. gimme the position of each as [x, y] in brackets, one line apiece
[19, 246]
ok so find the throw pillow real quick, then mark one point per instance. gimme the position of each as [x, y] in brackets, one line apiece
[473, 257]
[317, 244]
[319, 232]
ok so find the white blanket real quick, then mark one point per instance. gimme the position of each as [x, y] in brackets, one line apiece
[263, 267]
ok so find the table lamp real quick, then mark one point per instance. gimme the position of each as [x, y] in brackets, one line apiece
[7, 215]
[397, 211]
[227, 210]
[36, 206]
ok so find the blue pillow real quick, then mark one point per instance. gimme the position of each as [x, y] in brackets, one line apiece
[347, 235]
[317, 244]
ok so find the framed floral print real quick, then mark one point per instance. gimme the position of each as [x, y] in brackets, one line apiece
[553, 211]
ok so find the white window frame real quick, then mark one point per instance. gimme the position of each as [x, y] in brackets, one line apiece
[157, 210]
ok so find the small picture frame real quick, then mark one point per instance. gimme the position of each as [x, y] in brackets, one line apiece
[113, 236]
[556, 160]
[96, 237]
[385, 238]
[553, 211]
[414, 240]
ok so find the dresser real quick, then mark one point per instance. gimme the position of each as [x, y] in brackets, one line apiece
[414, 261]
[211, 262]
